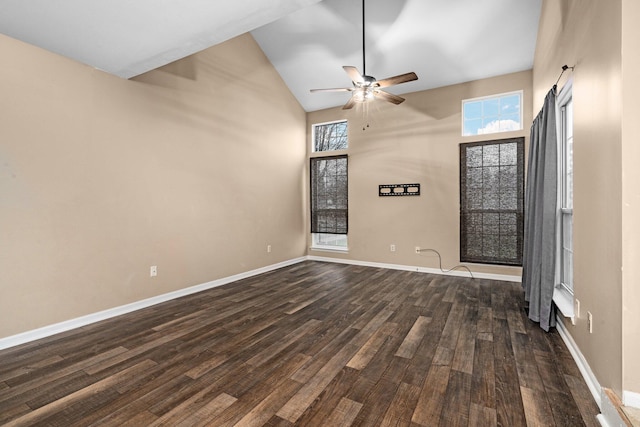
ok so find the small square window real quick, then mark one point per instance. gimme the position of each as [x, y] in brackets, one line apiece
[330, 136]
[492, 114]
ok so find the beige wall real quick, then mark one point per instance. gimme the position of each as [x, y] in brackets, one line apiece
[415, 142]
[587, 34]
[194, 168]
[631, 195]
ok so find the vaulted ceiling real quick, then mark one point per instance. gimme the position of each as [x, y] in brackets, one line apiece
[308, 41]
[130, 37]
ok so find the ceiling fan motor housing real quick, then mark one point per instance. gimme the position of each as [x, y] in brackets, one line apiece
[368, 81]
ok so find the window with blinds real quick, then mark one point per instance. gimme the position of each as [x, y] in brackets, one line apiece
[329, 195]
[492, 201]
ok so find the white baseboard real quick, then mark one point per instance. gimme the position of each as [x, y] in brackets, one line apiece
[583, 366]
[67, 325]
[603, 422]
[457, 273]
[630, 398]
[608, 416]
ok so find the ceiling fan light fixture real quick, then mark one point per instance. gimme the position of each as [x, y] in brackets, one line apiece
[363, 94]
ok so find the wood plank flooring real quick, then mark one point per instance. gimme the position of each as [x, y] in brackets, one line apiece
[314, 344]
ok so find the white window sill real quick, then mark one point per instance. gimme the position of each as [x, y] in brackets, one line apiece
[335, 249]
[564, 301]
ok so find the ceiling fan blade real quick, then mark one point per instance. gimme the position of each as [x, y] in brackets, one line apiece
[349, 105]
[334, 89]
[396, 80]
[394, 99]
[354, 74]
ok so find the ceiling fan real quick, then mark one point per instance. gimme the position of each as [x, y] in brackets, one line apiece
[367, 88]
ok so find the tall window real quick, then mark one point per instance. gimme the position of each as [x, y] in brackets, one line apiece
[329, 186]
[491, 114]
[492, 201]
[565, 102]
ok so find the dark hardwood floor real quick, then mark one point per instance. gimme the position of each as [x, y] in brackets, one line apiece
[314, 344]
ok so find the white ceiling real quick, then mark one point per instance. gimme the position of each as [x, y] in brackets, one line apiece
[443, 41]
[308, 41]
[131, 37]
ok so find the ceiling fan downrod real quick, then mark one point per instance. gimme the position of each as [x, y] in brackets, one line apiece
[364, 63]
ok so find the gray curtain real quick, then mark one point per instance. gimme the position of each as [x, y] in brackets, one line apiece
[540, 207]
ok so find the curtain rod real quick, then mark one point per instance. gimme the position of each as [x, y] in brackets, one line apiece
[565, 67]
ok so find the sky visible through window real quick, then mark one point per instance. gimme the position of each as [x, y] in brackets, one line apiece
[500, 113]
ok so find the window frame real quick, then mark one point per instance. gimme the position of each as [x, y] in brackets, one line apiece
[520, 93]
[316, 244]
[313, 136]
[563, 294]
[318, 239]
[466, 210]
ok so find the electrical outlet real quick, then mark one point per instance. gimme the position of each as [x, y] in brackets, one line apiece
[153, 271]
[417, 249]
[392, 248]
[590, 321]
[268, 249]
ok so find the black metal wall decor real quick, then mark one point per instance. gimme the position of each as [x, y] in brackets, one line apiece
[399, 190]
